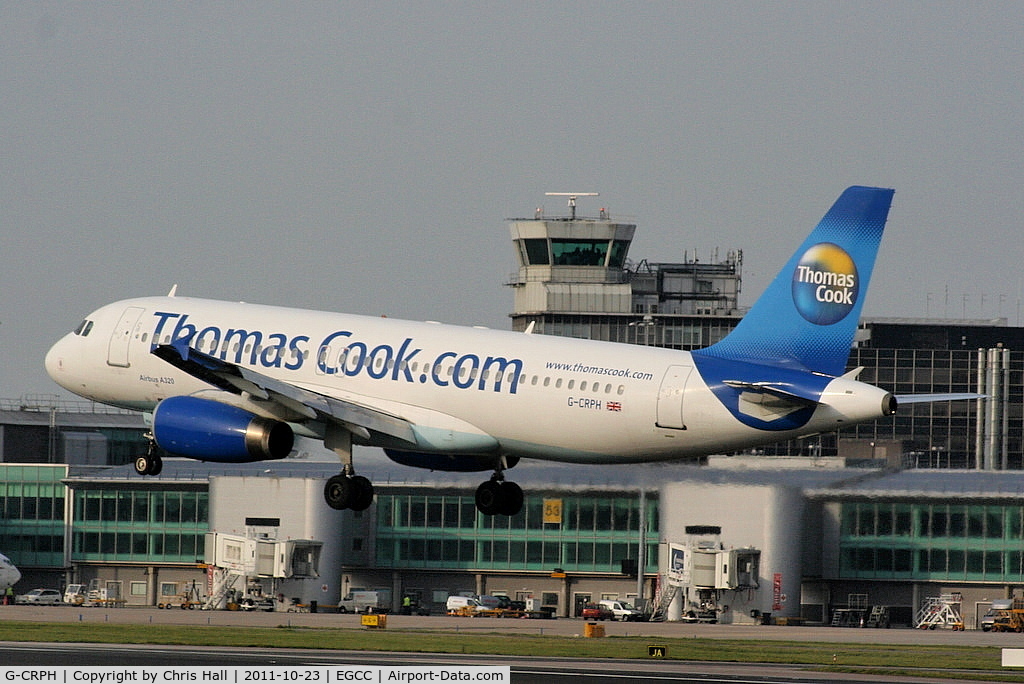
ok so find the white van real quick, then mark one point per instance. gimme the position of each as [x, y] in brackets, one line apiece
[461, 604]
[363, 602]
[623, 611]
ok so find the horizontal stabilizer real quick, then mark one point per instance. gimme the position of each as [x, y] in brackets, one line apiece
[930, 398]
[772, 390]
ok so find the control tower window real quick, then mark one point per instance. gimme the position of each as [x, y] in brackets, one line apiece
[618, 257]
[536, 250]
[579, 252]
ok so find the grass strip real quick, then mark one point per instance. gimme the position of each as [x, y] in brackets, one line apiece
[968, 662]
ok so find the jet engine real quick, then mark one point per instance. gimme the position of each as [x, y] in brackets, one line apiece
[208, 430]
[458, 463]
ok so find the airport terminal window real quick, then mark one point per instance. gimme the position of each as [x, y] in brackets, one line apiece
[457, 536]
[963, 542]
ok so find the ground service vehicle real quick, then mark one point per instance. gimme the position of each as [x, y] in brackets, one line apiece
[363, 602]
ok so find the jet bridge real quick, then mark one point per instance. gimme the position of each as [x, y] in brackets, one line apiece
[698, 576]
[243, 571]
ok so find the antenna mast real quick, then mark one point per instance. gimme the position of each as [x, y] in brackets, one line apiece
[572, 199]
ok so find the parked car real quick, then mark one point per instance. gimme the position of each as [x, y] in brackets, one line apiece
[623, 610]
[595, 611]
[50, 597]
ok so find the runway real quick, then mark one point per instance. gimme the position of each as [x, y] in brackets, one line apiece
[559, 627]
[524, 670]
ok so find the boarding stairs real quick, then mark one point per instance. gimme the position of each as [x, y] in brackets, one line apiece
[665, 597]
[223, 582]
[878, 617]
[940, 611]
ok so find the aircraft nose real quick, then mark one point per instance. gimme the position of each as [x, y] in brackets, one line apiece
[56, 362]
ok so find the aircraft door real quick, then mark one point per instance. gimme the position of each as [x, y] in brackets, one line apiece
[670, 397]
[117, 351]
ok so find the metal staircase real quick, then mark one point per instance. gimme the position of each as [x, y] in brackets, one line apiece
[223, 582]
[940, 611]
[667, 594]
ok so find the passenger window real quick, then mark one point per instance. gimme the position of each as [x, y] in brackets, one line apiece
[583, 386]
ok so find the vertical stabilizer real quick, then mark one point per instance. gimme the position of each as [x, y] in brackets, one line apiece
[808, 315]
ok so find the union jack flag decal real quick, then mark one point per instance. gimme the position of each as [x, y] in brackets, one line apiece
[614, 406]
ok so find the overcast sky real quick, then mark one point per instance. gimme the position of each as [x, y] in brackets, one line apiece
[363, 157]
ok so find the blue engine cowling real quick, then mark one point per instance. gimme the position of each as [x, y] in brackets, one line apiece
[457, 463]
[211, 431]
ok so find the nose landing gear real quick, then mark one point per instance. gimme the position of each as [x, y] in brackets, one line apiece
[150, 463]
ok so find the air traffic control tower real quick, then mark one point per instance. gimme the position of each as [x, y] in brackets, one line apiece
[573, 280]
[569, 265]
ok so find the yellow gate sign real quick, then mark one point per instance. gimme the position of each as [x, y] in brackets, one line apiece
[552, 511]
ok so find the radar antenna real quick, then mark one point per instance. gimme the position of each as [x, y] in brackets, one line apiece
[572, 198]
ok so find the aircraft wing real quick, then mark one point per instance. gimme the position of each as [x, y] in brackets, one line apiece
[236, 379]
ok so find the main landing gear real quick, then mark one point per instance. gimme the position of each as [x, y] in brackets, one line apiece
[497, 496]
[150, 463]
[348, 491]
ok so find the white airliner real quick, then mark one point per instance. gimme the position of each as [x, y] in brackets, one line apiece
[9, 575]
[235, 382]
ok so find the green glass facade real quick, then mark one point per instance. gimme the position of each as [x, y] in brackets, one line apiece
[140, 526]
[593, 534]
[32, 514]
[945, 542]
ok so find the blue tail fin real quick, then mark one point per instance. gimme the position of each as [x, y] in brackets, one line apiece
[808, 315]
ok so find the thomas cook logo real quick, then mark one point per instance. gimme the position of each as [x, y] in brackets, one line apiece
[825, 284]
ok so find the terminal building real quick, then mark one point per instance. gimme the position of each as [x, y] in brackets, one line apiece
[928, 503]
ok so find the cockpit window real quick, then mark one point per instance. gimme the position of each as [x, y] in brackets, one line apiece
[84, 328]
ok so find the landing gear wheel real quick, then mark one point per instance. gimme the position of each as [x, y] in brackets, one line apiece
[150, 464]
[512, 498]
[488, 497]
[338, 492]
[498, 497]
[362, 493]
[344, 492]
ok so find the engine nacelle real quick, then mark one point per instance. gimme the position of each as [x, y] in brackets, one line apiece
[208, 430]
[456, 463]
